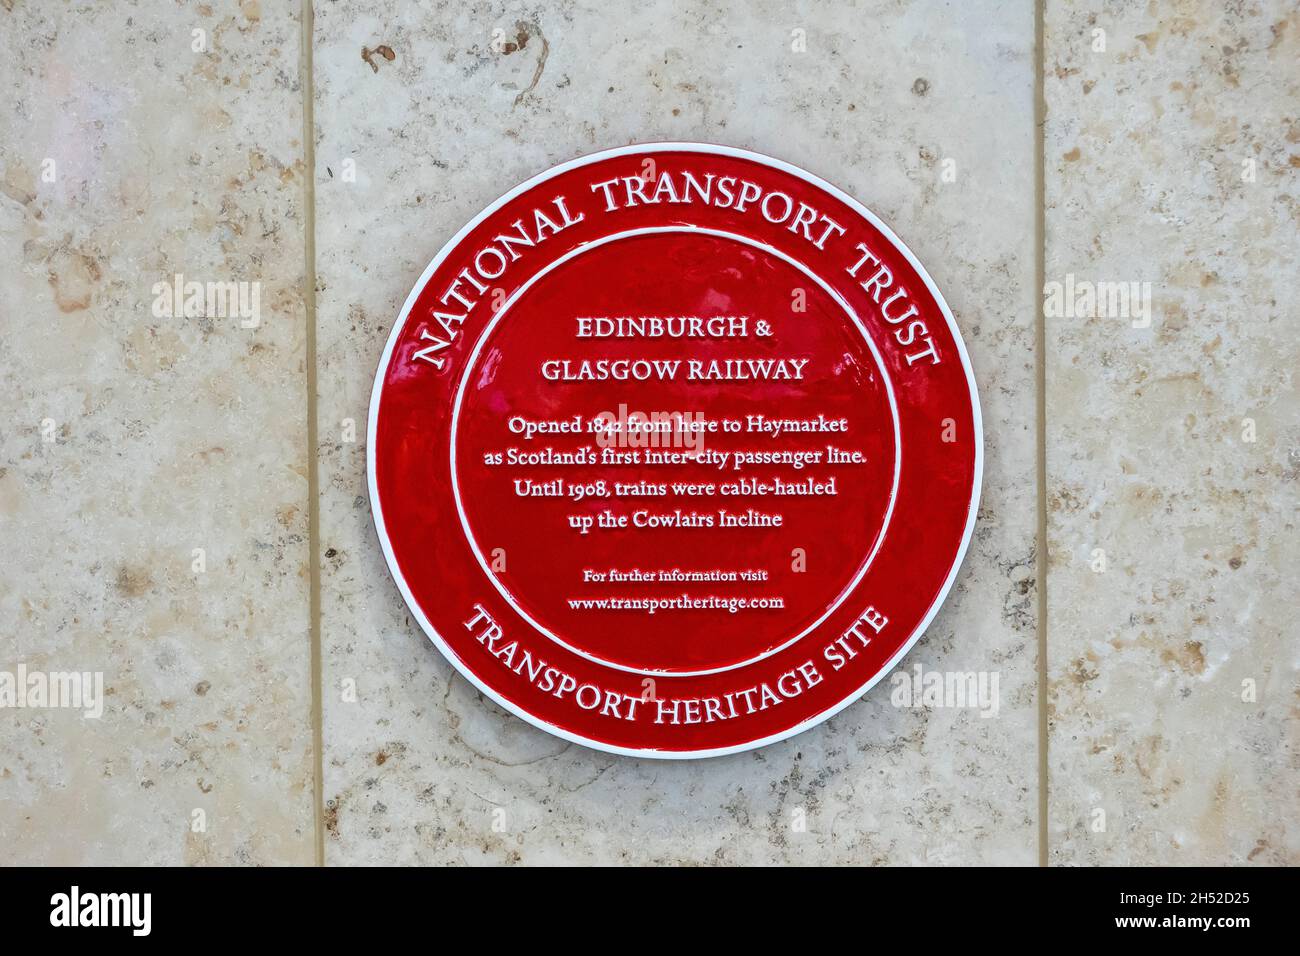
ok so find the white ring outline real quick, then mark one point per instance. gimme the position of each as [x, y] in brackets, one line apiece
[977, 478]
[472, 361]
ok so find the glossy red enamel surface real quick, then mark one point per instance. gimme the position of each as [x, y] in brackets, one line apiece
[530, 558]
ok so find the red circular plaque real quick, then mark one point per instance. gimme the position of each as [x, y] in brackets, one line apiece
[674, 450]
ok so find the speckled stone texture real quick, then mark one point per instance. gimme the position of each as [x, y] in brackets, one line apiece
[128, 439]
[1171, 158]
[131, 438]
[420, 123]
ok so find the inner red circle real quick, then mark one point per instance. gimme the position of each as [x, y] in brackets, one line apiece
[586, 569]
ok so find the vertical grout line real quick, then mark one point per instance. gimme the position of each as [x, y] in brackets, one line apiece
[1040, 386]
[313, 476]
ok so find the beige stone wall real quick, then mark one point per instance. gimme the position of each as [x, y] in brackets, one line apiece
[161, 501]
